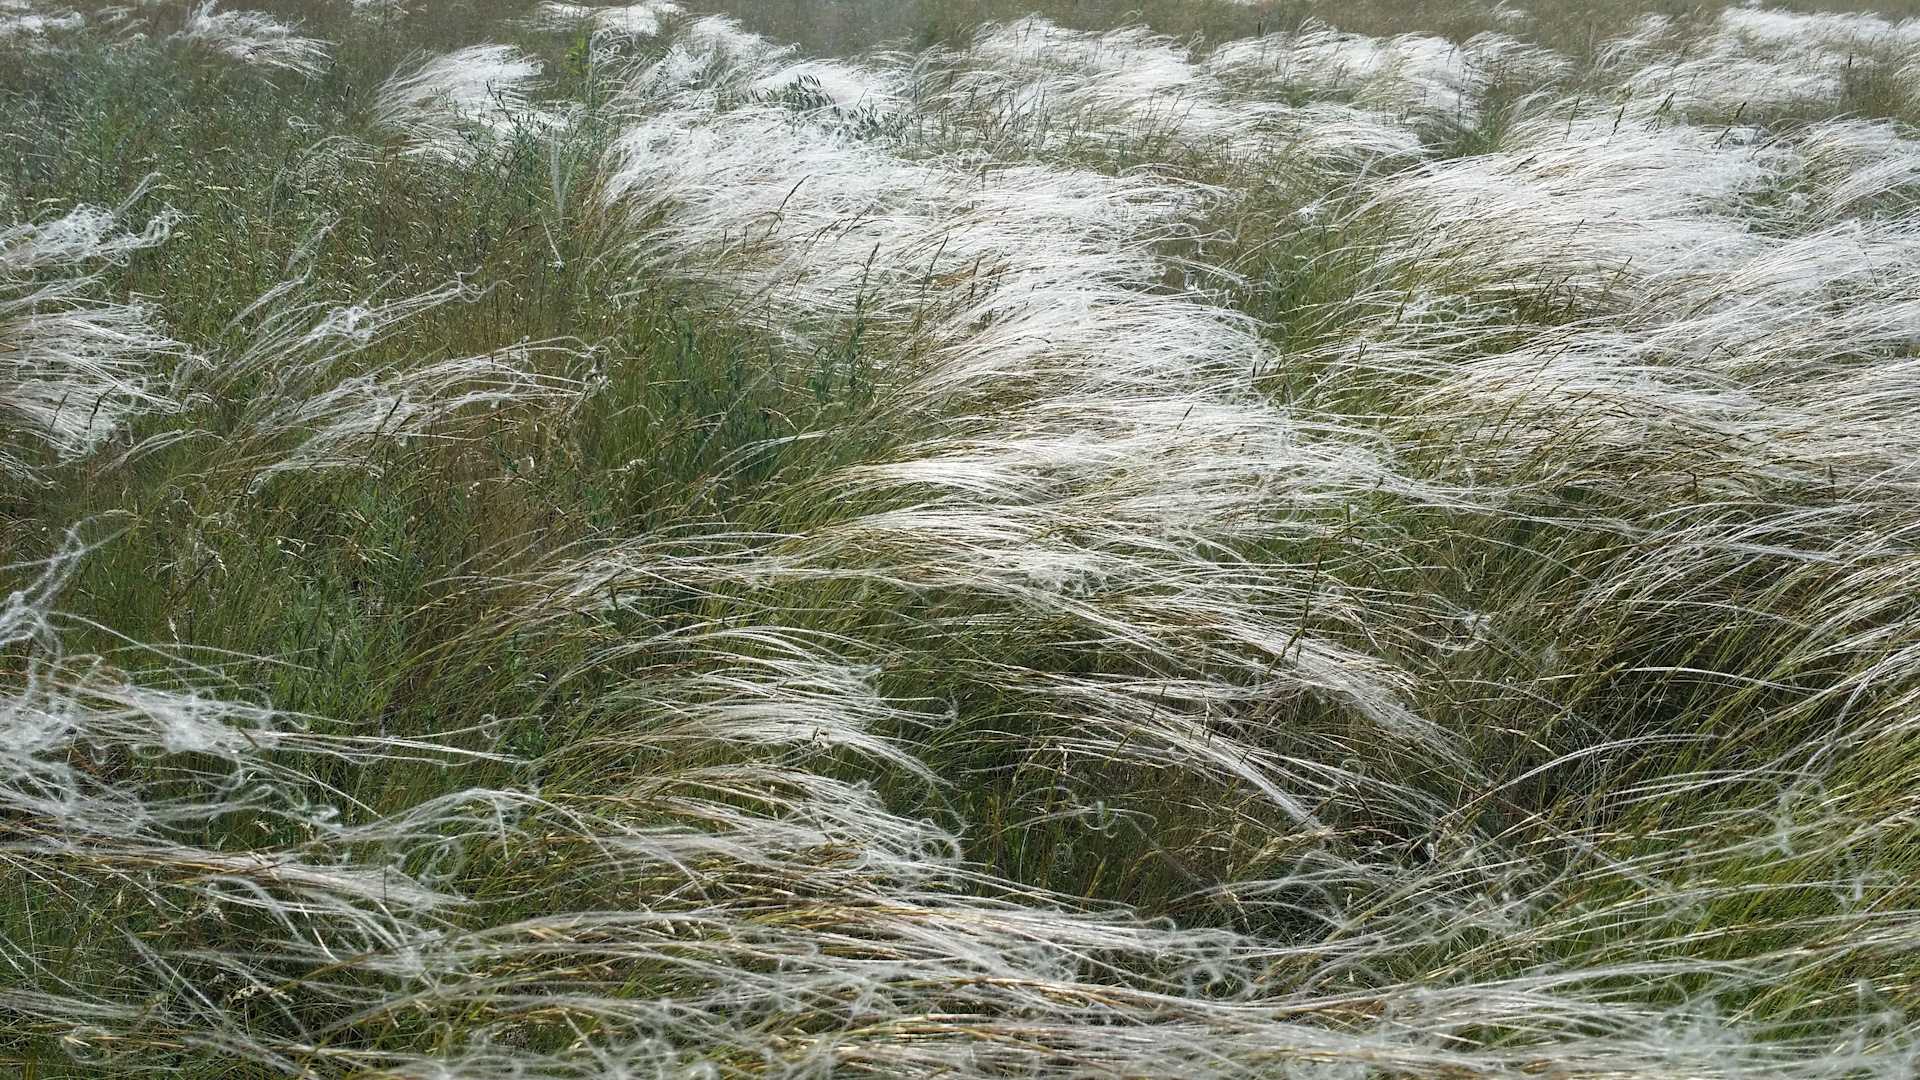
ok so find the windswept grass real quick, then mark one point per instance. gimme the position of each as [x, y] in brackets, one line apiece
[551, 540]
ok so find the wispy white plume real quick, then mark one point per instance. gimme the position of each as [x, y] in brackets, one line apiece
[1128, 96]
[1416, 77]
[1586, 206]
[1755, 62]
[338, 426]
[74, 369]
[1848, 163]
[21, 19]
[254, 37]
[1128, 82]
[628, 21]
[313, 402]
[380, 9]
[1695, 329]
[457, 107]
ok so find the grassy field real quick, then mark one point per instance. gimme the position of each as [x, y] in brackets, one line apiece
[827, 538]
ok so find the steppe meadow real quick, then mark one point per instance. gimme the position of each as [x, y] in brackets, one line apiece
[963, 539]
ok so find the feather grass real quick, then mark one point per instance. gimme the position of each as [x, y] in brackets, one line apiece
[1068, 554]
